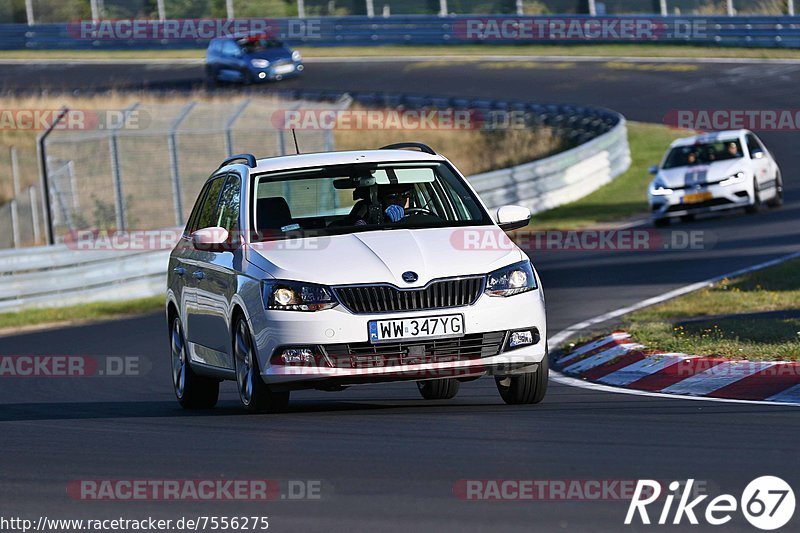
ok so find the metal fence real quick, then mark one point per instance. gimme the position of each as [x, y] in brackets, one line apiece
[49, 11]
[145, 172]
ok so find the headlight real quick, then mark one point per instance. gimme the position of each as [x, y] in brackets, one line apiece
[297, 296]
[736, 178]
[259, 63]
[510, 280]
[296, 56]
[659, 188]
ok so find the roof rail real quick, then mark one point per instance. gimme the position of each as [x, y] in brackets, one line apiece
[402, 146]
[250, 158]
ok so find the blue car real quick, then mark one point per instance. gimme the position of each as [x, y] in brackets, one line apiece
[250, 59]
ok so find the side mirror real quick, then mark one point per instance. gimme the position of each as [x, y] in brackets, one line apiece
[653, 170]
[757, 154]
[511, 217]
[213, 239]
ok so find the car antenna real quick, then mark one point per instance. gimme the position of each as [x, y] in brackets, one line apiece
[296, 147]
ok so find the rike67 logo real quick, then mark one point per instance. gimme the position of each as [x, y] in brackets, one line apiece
[767, 503]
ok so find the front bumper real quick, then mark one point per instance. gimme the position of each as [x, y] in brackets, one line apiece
[722, 197]
[275, 330]
[279, 71]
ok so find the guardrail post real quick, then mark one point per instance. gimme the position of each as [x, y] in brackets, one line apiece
[520, 7]
[162, 12]
[229, 9]
[731, 10]
[442, 8]
[40, 147]
[35, 215]
[301, 9]
[15, 224]
[790, 7]
[229, 126]
[663, 7]
[370, 8]
[95, 10]
[15, 171]
[116, 171]
[592, 8]
[174, 162]
[29, 12]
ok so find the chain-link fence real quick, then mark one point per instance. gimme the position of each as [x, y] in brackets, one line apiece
[46, 11]
[146, 171]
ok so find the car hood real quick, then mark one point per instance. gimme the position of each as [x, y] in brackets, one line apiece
[699, 174]
[271, 54]
[383, 256]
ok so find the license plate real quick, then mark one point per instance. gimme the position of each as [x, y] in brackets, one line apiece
[697, 197]
[284, 69]
[428, 327]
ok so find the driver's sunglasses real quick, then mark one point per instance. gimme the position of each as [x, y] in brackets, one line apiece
[397, 195]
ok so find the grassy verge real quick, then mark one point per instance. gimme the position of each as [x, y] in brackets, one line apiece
[80, 313]
[764, 324]
[624, 197]
[584, 50]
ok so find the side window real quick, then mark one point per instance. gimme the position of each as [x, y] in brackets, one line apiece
[207, 206]
[753, 146]
[228, 212]
[230, 49]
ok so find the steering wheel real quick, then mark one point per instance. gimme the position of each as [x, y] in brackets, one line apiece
[419, 211]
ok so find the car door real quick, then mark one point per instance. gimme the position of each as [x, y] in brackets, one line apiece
[761, 161]
[231, 62]
[215, 278]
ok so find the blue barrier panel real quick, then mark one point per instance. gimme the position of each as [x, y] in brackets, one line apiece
[452, 30]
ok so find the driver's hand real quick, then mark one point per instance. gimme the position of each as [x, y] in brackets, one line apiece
[395, 212]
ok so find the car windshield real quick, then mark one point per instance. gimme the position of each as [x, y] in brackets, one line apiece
[362, 197]
[703, 154]
[252, 45]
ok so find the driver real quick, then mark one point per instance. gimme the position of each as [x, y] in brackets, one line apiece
[394, 200]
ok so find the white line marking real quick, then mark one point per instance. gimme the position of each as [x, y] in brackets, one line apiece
[640, 369]
[716, 377]
[574, 382]
[562, 336]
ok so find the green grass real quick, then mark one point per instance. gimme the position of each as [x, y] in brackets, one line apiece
[756, 316]
[624, 197]
[585, 50]
[80, 313]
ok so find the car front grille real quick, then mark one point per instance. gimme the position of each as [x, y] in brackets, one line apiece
[365, 355]
[440, 294]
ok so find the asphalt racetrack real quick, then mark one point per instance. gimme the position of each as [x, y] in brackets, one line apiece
[387, 460]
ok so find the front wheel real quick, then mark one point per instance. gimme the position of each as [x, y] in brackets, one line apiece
[755, 206]
[191, 390]
[526, 388]
[777, 201]
[254, 394]
[439, 389]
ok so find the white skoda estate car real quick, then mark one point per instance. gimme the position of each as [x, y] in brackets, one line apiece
[335, 269]
[713, 172]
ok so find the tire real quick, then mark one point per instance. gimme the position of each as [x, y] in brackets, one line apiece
[755, 207]
[254, 394]
[211, 79]
[439, 389]
[777, 201]
[526, 388]
[192, 391]
[661, 222]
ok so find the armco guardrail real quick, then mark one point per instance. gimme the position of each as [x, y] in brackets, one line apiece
[60, 275]
[752, 31]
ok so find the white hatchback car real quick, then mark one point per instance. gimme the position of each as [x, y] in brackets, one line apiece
[712, 172]
[334, 269]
